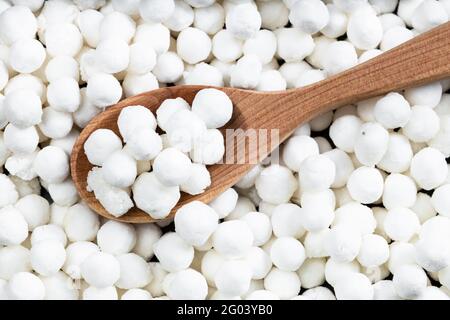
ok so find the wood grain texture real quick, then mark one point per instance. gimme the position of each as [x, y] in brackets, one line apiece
[424, 59]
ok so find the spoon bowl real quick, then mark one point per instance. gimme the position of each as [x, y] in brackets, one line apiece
[276, 115]
[222, 176]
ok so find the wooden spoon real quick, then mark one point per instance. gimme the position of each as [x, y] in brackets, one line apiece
[425, 58]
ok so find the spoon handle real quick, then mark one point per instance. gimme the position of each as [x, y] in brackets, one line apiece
[425, 58]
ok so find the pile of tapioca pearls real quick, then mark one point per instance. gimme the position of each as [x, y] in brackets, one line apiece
[177, 159]
[360, 210]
